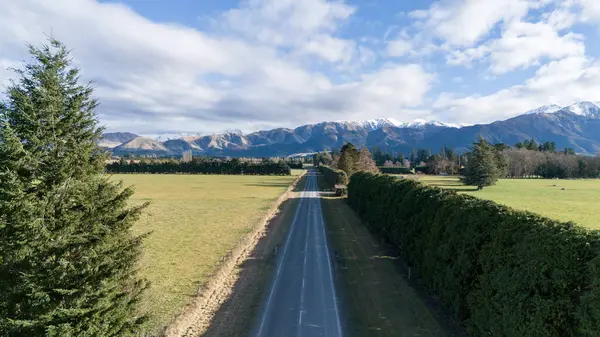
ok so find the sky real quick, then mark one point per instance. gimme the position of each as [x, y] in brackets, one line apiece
[202, 66]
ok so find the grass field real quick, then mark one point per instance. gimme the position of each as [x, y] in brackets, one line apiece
[195, 221]
[578, 203]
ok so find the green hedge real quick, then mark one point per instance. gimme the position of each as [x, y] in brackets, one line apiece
[393, 170]
[502, 272]
[233, 167]
[333, 176]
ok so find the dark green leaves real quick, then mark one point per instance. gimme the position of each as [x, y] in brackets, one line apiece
[502, 272]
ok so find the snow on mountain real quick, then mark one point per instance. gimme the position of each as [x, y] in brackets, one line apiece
[371, 124]
[421, 123]
[544, 109]
[585, 109]
[180, 135]
[374, 124]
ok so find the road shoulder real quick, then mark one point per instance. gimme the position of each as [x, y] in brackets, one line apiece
[236, 300]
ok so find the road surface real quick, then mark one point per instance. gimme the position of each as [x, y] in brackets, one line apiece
[301, 300]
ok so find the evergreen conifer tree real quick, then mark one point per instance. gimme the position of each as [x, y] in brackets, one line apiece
[482, 169]
[67, 255]
[348, 159]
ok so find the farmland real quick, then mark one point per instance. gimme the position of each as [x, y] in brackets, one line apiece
[195, 221]
[578, 202]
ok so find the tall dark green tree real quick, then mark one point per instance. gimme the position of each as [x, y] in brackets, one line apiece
[482, 169]
[67, 256]
[348, 159]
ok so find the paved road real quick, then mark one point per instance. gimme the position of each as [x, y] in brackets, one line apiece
[301, 300]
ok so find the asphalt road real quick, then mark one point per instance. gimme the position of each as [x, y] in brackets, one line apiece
[301, 299]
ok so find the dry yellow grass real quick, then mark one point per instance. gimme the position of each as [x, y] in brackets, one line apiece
[195, 221]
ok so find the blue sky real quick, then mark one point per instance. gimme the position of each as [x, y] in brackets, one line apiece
[165, 66]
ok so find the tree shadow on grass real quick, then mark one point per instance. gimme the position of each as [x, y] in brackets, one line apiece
[472, 189]
[268, 185]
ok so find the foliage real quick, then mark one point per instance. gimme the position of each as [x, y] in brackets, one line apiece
[322, 158]
[295, 164]
[67, 256]
[381, 158]
[502, 272]
[201, 166]
[394, 170]
[348, 159]
[365, 161]
[333, 176]
[482, 168]
[527, 163]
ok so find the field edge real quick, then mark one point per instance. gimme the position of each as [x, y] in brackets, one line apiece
[196, 316]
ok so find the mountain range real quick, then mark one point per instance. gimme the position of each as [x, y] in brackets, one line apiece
[576, 126]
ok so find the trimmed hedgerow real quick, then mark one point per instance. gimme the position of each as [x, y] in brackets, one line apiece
[232, 167]
[501, 271]
[333, 176]
[393, 170]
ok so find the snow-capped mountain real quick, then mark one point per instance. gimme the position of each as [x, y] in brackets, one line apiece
[576, 126]
[179, 135]
[371, 124]
[379, 123]
[551, 108]
[421, 123]
[584, 109]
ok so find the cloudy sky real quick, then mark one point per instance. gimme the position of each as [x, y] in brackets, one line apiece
[163, 66]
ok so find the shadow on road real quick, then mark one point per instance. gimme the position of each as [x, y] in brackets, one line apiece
[239, 312]
[378, 297]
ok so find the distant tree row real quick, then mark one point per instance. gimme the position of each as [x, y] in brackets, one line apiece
[531, 145]
[486, 163]
[529, 163]
[200, 166]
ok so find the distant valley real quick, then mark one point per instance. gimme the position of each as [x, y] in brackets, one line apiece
[576, 126]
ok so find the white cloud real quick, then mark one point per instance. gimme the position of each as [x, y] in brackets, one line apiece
[465, 22]
[522, 45]
[564, 81]
[590, 10]
[399, 47]
[273, 63]
[255, 70]
[467, 56]
[329, 49]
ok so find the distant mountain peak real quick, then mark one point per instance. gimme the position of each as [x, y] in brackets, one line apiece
[585, 108]
[378, 123]
[172, 136]
[422, 123]
[236, 132]
[551, 108]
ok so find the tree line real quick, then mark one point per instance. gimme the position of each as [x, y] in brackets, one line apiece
[200, 165]
[500, 271]
[487, 163]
